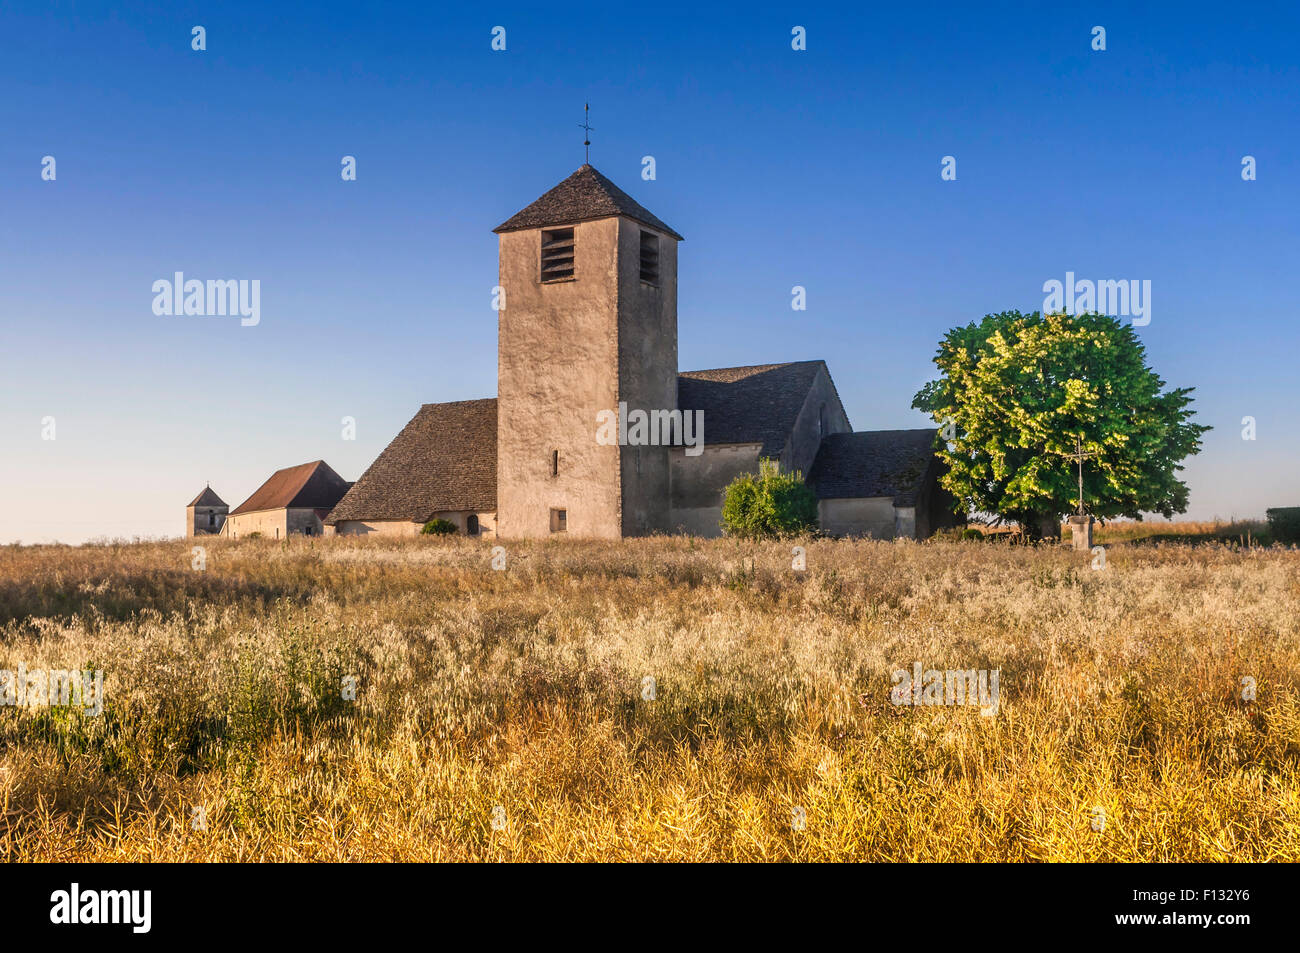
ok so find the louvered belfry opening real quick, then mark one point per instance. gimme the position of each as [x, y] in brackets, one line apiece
[649, 257]
[557, 254]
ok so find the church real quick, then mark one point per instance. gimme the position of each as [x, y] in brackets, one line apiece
[587, 313]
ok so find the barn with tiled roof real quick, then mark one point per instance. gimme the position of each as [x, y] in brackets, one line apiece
[294, 501]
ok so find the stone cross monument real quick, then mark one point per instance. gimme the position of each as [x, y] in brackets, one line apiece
[1080, 522]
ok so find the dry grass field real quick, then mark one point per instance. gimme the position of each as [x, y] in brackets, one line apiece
[501, 715]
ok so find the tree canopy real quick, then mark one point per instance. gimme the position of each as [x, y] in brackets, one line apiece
[1015, 393]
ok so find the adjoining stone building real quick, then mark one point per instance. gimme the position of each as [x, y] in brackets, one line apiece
[589, 327]
[206, 514]
[881, 483]
[294, 501]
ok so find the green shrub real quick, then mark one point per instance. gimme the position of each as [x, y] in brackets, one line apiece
[1284, 521]
[769, 504]
[439, 527]
[254, 535]
[970, 532]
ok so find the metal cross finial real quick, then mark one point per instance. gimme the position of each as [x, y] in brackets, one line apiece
[1079, 456]
[587, 127]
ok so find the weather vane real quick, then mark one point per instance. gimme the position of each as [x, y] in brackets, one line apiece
[586, 126]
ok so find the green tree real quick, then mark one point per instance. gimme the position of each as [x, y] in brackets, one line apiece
[1015, 393]
[769, 504]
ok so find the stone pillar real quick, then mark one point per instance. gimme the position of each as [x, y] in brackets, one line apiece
[1081, 533]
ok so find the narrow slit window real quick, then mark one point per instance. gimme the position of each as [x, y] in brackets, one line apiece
[557, 254]
[555, 463]
[649, 257]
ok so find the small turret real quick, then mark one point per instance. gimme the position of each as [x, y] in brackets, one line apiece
[206, 514]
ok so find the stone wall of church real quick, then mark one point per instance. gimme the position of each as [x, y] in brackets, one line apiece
[698, 484]
[822, 414]
[557, 367]
[860, 516]
[935, 506]
[647, 363]
[486, 523]
[374, 528]
[905, 522]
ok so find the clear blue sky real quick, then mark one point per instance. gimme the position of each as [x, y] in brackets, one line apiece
[781, 168]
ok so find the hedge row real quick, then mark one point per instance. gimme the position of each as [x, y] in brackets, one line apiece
[1284, 521]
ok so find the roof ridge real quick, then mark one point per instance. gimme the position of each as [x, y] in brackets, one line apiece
[746, 367]
[446, 403]
[867, 433]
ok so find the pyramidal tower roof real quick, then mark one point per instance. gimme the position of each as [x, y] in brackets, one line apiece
[207, 498]
[582, 197]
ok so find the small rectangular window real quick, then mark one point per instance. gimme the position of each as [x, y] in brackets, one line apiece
[559, 521]
[555, 463]
[557, 254]
[649, 257]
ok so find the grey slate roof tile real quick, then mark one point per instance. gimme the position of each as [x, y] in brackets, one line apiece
[873, 463]
[582, 197]
[444, 459]
[755, 404]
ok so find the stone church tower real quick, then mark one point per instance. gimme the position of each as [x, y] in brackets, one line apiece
[589, 321]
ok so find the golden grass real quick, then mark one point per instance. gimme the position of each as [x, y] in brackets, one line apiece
[1245, 532]
[1120, 689]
